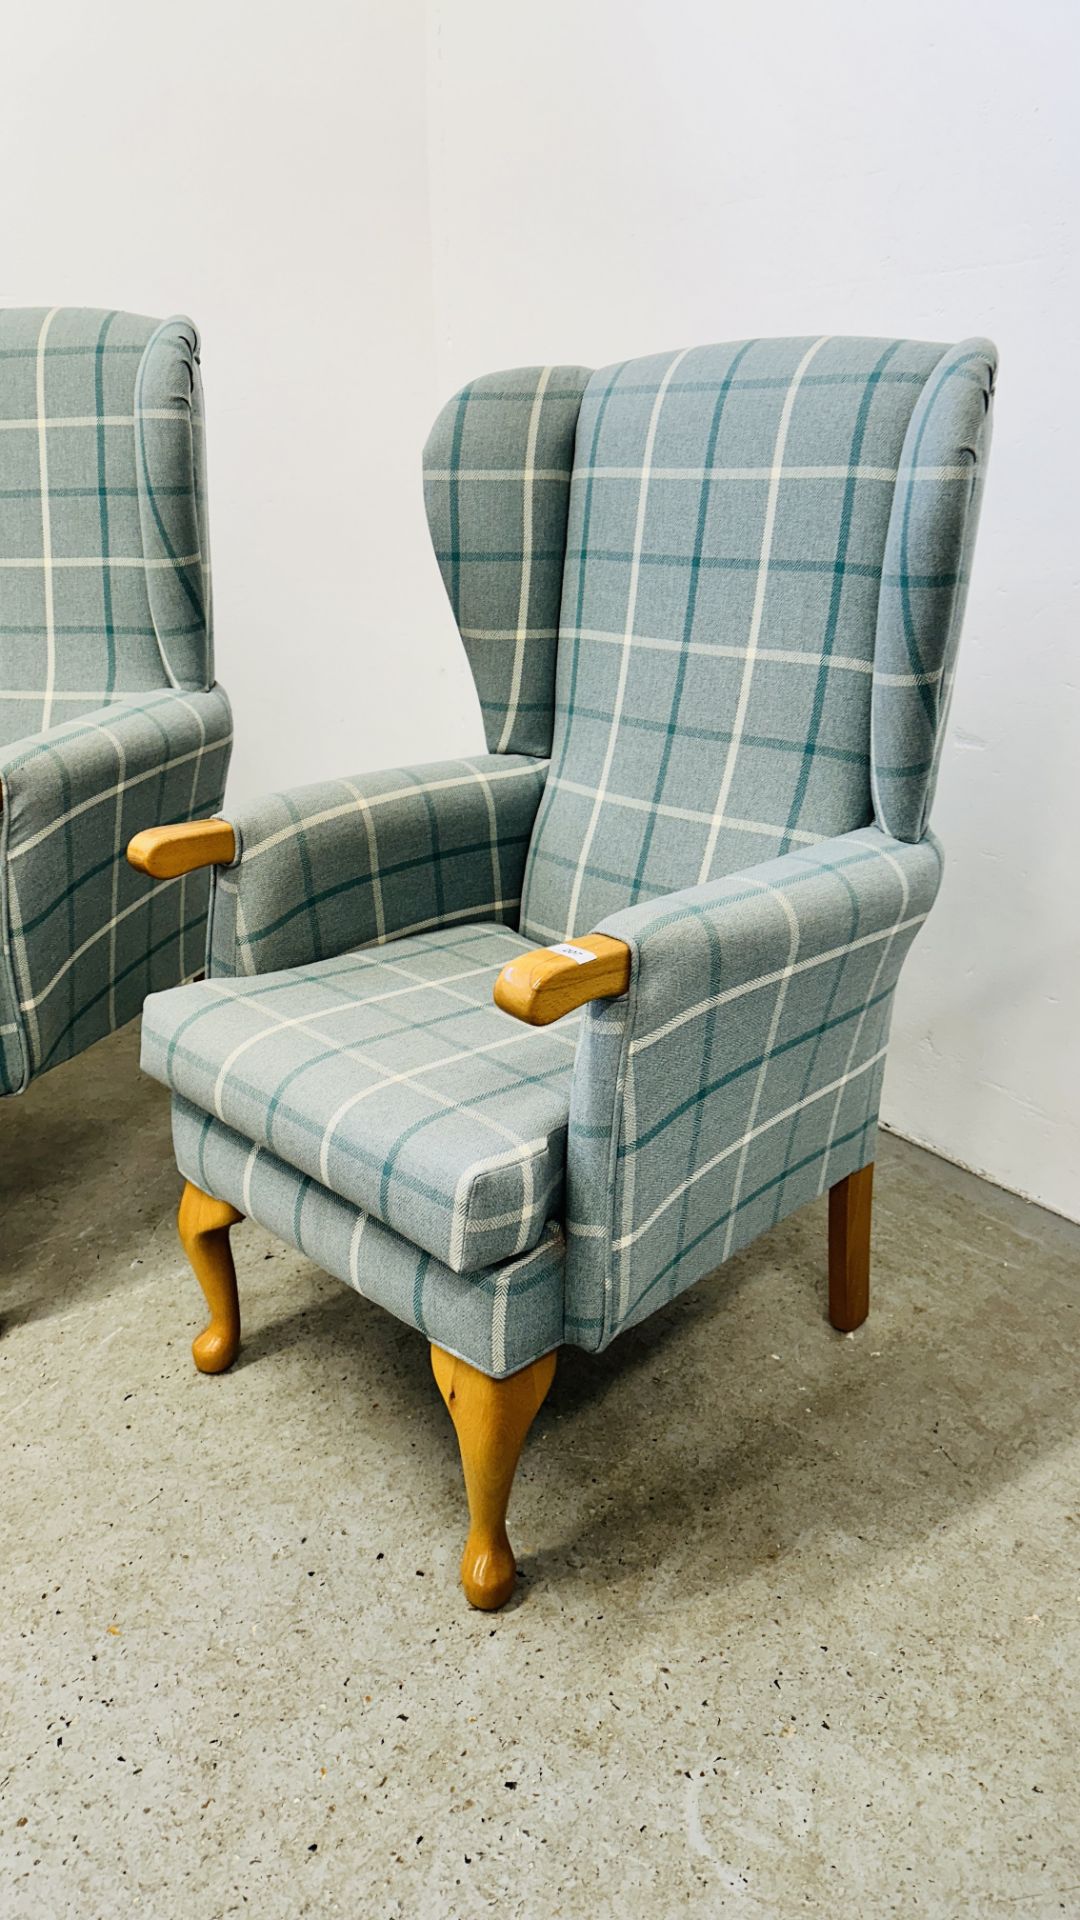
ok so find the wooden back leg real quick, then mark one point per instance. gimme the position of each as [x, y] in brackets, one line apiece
[849, 1249]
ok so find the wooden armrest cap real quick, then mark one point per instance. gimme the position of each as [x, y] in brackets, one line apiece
[541, 986]
[164, 852]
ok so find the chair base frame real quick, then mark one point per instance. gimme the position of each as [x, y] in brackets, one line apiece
[492, 1417]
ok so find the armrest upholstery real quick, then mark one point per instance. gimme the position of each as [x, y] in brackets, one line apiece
[741, 1074]
[85, 938]
[324, 869]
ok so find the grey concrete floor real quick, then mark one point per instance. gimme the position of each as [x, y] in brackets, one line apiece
[798, 1629]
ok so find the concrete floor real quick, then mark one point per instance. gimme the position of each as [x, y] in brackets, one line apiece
[798, 1632]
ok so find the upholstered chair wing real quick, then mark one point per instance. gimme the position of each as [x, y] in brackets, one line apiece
[497, 469]
[109, 715]
[520, 1046]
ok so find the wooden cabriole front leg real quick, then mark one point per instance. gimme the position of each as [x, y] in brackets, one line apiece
[491, 1418]
[204, 1225]
[849, 1249]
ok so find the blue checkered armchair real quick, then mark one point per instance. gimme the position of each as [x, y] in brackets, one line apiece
[711, 602]
[109, 717]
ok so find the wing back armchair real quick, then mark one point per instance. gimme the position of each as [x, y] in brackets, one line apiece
[109, 716]
[711, 601]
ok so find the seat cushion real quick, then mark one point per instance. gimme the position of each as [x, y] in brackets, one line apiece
[498, 1319]
[390, 1078]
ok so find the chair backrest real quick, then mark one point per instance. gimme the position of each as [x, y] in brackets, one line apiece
[104, 559]
[766, 554]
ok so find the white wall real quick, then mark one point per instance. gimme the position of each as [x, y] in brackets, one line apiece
[614, 177]
[263, 167]
[582, 180]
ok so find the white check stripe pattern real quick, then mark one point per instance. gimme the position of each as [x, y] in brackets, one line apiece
[46, 561]
[521, 632]
[754, 637]
[96, 420]
[628, 635]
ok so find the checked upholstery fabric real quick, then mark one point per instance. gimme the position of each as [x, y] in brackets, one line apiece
[725, 561]
[497, 469]
[711, 602]
[109, 717]
[390, 1077]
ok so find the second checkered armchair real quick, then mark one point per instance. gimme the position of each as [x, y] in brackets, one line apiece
[711, 602]
[109, 716]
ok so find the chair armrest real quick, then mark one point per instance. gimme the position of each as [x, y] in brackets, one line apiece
[165, 852]
[541, 986]
[82, 937]
[348, 863]
[741, 1075]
